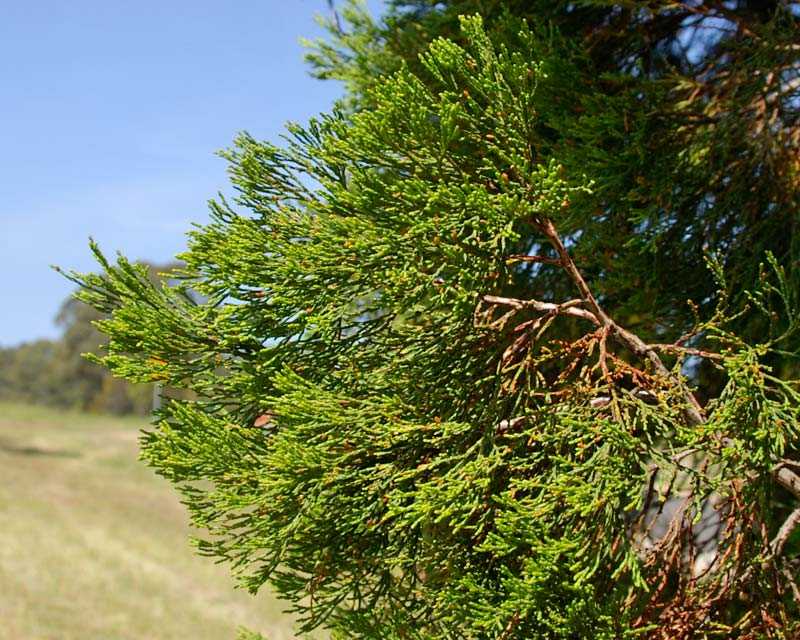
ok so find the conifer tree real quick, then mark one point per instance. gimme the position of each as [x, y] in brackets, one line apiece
[444, 387]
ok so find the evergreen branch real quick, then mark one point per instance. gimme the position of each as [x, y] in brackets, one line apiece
[360, 440]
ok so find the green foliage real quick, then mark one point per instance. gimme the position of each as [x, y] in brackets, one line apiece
[244, 634]
[405, 420]
[354, 56]
[684, 118]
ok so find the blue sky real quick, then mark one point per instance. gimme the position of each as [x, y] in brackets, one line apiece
[109, 119]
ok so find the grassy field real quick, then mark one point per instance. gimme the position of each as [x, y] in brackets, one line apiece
[94, 546]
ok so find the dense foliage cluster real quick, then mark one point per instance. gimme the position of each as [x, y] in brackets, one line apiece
[503, 347]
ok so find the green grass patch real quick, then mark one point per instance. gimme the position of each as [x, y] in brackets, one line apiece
[94, 545]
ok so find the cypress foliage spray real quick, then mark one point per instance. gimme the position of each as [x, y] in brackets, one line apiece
[421, 409]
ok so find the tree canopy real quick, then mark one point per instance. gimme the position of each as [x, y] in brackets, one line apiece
[503, 346]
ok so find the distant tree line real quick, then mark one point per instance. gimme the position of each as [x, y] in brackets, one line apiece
[55, 372]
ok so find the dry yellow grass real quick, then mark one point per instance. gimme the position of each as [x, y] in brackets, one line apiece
[94, 546]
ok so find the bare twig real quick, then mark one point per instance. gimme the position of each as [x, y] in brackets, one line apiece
[566, 308]
[777, 543]
[792, 584]
[693, 411]
[552, 236]
[526, 258]
[788, 526]
[689, 351]
[787, 478]
[782, 473]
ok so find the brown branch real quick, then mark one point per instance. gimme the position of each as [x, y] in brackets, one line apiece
[786, 88]
[792, 584]
[693, 411]
[787, 478]
[789, 525]
[546, 226]
[604, 355]
[689, 351]
[526, 258]
[566, 308]
[777, 544]
[512, 624]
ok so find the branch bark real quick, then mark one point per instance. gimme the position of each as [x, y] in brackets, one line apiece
[693, 411]
[566, 308]
[782, 474]
[787, 478]
[789, 525]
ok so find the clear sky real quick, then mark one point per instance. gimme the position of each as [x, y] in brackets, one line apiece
[110, 114]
